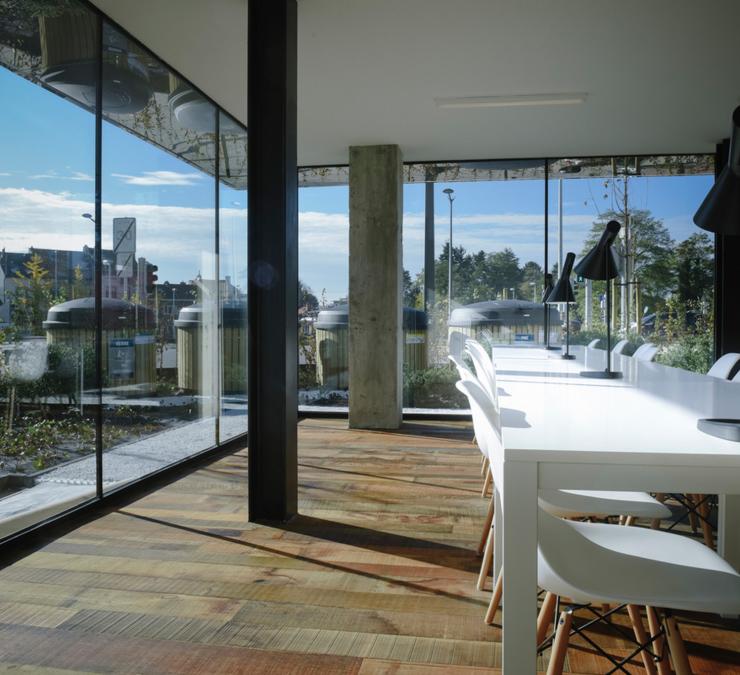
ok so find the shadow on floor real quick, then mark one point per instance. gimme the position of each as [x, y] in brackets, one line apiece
[351, 535]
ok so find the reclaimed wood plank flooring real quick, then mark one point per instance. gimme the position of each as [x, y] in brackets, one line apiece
[375, 577]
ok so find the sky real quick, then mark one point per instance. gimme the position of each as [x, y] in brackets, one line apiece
[46, 183]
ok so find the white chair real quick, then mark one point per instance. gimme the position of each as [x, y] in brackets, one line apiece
[646, 352]
[594, 344]
[565, 503]
[593, 563]
[621, 347]
[484, 368]
[725, 367]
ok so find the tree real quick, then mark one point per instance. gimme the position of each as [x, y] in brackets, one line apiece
[694, 265]
[413, 295]
[650, 250]
[306, 298]
[32, 296]
[530, 287]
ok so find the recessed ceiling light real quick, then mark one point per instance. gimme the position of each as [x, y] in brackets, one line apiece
[516, 100]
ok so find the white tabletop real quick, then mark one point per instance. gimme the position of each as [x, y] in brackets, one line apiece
[638, 432]
[547, 407]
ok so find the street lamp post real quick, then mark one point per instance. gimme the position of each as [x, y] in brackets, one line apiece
[449, 192]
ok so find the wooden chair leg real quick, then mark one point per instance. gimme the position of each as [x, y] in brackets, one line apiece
[487, 482]
[560, 645]
[706, 527]
[693, 520]
[629, 521]
[493, 606]
[486, 528]
[664, 668]
[486, 563]
[655, 523]
[546, 615]
[642, 637]
[676, 647]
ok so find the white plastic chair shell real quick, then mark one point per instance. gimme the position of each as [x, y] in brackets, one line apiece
[724, 367]
[646, 352]
[620, 347]
[594, 562]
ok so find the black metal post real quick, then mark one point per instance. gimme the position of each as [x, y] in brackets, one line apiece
[273, 261]
[567, 354]
[429, 281]
[608, 317]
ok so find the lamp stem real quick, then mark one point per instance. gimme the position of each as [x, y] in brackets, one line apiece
[608, 315]
[567, 329]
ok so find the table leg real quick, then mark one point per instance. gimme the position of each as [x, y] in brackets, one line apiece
[498, 535]
[520, 567]
[728, 529]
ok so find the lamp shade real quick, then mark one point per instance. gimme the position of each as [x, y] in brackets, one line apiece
[548, 287]
[720, 210]
[563, 291]
[600, 263]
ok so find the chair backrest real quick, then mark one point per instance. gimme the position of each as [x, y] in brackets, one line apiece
[484, 368]
[594, 344]
[621, 347]
[462, 369]
[487, 424]
[456, 343]
[725, 367]
[646, 352]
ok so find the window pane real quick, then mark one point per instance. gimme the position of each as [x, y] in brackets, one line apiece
[495, 217]
[323, 374]
[47, 263]
[664, 292]
[160, 306]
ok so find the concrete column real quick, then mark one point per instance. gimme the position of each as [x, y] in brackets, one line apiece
[375, 299]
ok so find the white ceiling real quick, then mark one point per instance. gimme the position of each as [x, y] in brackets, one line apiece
[661, 76]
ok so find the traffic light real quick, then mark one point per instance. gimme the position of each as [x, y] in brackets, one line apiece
[151, 278]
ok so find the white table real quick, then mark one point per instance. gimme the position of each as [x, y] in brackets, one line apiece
[564, 431]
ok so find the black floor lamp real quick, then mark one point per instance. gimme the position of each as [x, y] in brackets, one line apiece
[563, 293]
[600, 264]
[720, 213]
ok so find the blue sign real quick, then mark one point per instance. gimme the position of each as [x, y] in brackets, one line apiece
[523, 337]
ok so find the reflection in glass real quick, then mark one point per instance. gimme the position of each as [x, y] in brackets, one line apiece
[160, 380]
[47, 263]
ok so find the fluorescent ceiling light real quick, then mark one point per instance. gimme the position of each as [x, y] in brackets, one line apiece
[514, 101]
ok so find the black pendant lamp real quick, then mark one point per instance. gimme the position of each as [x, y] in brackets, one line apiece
[720, 213]
[563, 293]
[720, 210]
[600, 264]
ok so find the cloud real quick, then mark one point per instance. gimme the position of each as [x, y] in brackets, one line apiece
[4, 173]
[75, 175]
[152, 178]
[178, 239]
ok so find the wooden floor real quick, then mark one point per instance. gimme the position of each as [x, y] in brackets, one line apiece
[377, 576]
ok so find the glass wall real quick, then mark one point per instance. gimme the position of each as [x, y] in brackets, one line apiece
[47, 262]
[167, 240]
[323, 290]
[664, 292]
[492, 215]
